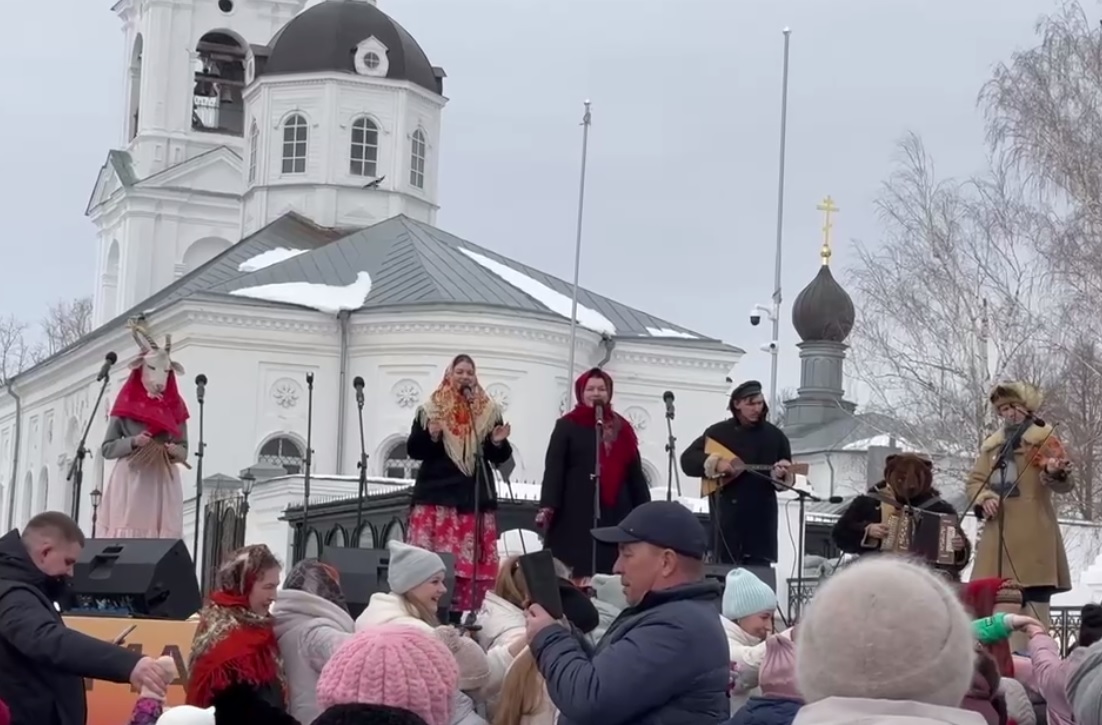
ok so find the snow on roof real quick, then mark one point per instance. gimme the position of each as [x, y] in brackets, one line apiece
[549, 298]
[882, 440]
[268, 258]
[667, 332]
[322, 297]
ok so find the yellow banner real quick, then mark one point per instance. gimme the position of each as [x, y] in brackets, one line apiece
[110, 703]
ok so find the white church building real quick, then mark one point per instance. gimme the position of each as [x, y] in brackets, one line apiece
[273, 208]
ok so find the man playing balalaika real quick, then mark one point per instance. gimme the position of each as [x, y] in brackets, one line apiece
[737, 459]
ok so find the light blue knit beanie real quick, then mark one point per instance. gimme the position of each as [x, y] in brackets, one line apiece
[744, 594]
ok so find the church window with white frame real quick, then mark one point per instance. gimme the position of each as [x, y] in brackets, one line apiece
[364, 151]
[254, 146]
[295, 135]
[418, 149]
[284, 452]
[398, 464]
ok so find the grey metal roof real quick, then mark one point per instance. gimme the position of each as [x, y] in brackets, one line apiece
[412, 263]
[290, 231]
[846, 429]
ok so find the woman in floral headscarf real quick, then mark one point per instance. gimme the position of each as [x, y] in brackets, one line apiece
[459, 429]
[235, 643]
[311, 622]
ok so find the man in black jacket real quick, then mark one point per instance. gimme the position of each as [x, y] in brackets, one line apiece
[42, 662]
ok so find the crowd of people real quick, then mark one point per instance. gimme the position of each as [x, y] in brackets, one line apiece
[884, 640]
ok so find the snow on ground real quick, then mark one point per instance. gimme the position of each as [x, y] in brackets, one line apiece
[321, 297]
[268, 258]
[558, 303]
[667, 332]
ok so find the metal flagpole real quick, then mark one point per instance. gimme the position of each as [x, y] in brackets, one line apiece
[780, 231]
[586, 119]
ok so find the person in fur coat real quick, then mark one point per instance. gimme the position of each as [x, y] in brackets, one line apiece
[908, 480]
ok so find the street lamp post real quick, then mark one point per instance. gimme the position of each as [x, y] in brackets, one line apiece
[97, 496]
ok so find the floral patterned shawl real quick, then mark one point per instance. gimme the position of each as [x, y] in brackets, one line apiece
[465, 425]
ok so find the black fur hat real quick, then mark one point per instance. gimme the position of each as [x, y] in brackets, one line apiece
[368, 715]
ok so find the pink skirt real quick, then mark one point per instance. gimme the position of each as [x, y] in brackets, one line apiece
[446, 531]
[141, 503]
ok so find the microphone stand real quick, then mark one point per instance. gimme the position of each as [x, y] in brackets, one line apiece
[671, 454]
[804, 497]
[200, 556]
[362, 465]
[306, 463]
[598, 431]
[1004, 489]
[471, 623]
[76, 468]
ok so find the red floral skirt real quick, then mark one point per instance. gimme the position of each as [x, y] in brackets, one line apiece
[446, 531]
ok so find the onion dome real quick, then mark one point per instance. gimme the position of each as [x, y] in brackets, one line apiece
[326, 37]
[823, 311]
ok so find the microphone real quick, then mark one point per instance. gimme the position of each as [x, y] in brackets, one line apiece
[1034, 419]
[835, 499]
[109, 360]
[358, 384]
[200, 387]
[667, 398]
[599, 413]
[468, 393]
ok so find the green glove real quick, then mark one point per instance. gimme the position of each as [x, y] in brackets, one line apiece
[990, 630]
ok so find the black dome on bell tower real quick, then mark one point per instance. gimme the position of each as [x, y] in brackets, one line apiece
[823, 311]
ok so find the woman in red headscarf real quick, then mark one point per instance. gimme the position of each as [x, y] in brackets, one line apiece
[235, 645]
[567, 500]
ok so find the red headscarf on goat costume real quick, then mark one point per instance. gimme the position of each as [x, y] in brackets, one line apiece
[232, 643]
[620, 442]
[982, 596]
[160, 415]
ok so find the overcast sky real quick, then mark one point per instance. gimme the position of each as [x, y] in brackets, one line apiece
[681, 200]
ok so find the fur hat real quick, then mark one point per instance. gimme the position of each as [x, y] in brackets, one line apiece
[395, 665]
[908, 474]
[368, 715]
[609, 588]
[1017, 393]
[187, 715]
[873, 654]
[474, 668]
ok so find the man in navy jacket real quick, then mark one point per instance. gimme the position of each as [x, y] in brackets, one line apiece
[665, 659]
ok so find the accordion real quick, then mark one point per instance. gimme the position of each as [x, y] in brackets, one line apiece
[924, 534]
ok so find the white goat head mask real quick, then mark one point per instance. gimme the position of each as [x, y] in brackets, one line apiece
[154, 361]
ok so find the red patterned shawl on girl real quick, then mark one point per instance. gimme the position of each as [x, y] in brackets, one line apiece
[465, 425]
[621, 445]
[233, 644]
[160, 415]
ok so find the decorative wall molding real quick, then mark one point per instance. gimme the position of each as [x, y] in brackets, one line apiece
[692, 362]
[449, 327]
[638, 417]
[286, 393]
[501, 394]
[407, 393]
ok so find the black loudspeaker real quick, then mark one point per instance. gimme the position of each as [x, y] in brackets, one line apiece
[135, 578]
[364, 572]
[719, 572]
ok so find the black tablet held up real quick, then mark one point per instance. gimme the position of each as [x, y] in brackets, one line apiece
[538, 569]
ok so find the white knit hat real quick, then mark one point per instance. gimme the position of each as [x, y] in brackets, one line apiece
[410, 566]
[885, 629]
[745, 594]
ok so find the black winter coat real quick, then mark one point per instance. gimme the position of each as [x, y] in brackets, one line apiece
[43, 663]
[440, 482]
[568, 490]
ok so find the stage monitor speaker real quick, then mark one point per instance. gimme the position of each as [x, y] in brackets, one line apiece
[135, 577]
[364, 572]
[718, 572]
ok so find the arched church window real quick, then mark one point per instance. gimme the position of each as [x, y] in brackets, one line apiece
[254, 144]
[295, 135]
[364, 153]
[217, 103]
[418, 149]
[282, 451]
[398, 464]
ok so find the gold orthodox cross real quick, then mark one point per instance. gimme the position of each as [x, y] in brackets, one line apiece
[828, 208]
